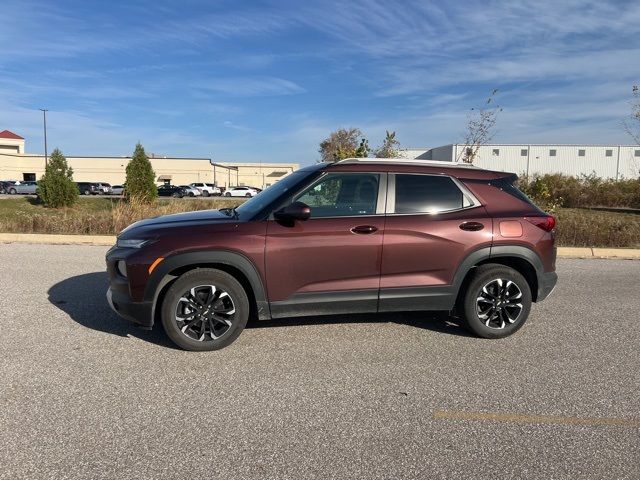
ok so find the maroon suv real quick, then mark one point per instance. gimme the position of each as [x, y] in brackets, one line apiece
[359, 235]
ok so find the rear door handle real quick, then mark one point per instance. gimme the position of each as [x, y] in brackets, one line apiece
[471, 226]
[364, 229]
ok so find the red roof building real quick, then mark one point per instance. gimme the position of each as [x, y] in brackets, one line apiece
[10, 135]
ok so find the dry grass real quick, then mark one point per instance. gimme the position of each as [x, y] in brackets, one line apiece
[104, 216]
[590, 228]
[93, 216]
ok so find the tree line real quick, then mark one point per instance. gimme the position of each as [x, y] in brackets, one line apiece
[57, 189]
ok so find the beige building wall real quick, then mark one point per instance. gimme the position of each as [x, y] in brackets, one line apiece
[11, 145]
[179, 171]
[261, 175]
[13, 167]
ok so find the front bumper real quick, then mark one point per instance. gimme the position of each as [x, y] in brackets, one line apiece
[140, 313]
[547, 282]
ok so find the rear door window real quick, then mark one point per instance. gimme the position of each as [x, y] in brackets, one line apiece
[426, 194]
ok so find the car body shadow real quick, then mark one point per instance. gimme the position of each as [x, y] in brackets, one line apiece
[83, 298]
[440, 322]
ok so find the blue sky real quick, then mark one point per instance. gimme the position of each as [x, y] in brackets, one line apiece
[244, 81]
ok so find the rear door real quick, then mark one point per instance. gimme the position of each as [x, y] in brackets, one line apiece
[329, 263]
[433, 223]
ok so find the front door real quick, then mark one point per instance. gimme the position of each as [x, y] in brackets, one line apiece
[329, 263]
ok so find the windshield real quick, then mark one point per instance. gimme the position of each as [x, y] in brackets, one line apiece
[251, 207]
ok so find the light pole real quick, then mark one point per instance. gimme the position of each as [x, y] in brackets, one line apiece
[44, 116]
[261, 174]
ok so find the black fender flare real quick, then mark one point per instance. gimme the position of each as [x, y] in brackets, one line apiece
[487, 253]
[161, 276]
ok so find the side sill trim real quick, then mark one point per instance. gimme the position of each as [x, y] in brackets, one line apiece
[417, 298]
[326, 303]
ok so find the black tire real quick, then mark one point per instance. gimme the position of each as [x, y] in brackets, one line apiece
[12, 191]
[505, 288]
[87, 192]
[227, 194]
[248, 195]
[181, 289]
[205, 193]
[191, 194]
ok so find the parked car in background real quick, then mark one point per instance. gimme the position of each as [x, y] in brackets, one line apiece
[117, 190]
[356, 236]
[171, 191]
[241, 192]
[6, 184]
[27, 188]
[206, 188]
[191, 191]
[87, 188]
[104, 188]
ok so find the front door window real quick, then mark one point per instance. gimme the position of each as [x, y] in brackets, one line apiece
[342, 194]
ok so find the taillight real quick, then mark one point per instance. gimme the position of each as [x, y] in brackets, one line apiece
[546, 223]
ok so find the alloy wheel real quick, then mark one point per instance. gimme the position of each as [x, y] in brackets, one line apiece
[499, 303]
[205, 313]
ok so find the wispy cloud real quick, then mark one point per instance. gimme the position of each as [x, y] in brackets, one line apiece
[234, 126]
[252, 86]
[195, 77]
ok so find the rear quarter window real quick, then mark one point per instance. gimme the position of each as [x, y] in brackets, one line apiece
[426, 194]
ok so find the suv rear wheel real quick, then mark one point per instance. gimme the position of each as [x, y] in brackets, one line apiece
[205, 309]
[497, 301]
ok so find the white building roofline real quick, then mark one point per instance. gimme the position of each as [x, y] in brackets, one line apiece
[549, 145]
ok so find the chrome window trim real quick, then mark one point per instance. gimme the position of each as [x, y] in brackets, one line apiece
[467, 197]
[381, 205]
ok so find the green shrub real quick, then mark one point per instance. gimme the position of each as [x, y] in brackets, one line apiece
[140, 177]
[584, 191]
[56, 188]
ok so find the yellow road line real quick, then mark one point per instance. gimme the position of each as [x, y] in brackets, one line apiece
[524, 418]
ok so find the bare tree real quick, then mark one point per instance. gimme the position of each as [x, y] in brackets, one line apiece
[632, 124]
[480, 128]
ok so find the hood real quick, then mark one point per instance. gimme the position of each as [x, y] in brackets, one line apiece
[187, 219]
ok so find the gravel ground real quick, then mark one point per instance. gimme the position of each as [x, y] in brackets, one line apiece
[85, 395]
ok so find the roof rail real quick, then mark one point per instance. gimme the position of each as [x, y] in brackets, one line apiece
[407, 161]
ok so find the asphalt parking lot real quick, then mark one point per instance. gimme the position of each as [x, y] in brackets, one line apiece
[86, 395]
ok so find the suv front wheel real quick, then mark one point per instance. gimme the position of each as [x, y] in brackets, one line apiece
[497, 301]
[205, 309]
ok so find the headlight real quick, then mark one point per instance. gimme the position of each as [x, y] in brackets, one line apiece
[122, 268]
[130, 243]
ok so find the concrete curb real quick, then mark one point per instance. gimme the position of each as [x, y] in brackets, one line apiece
[57, 239]
[108, 240]
[610, 253]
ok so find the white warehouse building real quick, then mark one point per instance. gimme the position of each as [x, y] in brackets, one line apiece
[605, 161]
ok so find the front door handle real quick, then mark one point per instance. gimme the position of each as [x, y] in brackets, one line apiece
[364, 229]
[471, 226]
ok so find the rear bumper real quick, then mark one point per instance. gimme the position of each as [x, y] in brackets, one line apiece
[139, 313]
[546, 283]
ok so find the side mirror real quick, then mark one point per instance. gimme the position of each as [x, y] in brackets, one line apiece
[295, 211]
